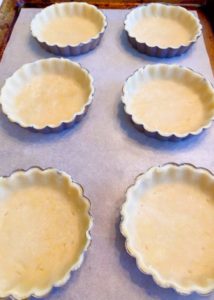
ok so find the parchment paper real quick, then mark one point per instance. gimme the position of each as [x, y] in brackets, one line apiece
[104, 153]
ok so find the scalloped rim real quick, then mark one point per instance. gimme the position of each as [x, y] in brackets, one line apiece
[184, 10]
[53, 6]
[148, 270]
[63, 123]
[41, 293]
[159, 134]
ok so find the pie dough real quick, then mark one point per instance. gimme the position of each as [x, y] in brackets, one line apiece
[162, 30]
[69, 28]
[169, 99]
[37, 104]
[47, 93]
[168, 106]
[69, 31]
[168, 221]
[45, 226]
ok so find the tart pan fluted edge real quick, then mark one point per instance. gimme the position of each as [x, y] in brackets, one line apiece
[184, 78]
[161, 51]
[70, 49]
[81, 82]
[59, 182]
[198, 177]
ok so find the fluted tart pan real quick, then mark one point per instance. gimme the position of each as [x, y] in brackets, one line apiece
[68, 29]
[45, 231]
[169, 102]
[47, 95]
[162, 30]
[167, 220]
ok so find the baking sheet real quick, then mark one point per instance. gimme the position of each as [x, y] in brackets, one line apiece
[104, 153]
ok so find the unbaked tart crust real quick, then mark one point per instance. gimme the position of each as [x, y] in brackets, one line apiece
[69, 28]
[162, 30]
[47, 93]
[45, 225]
[168, 221]
[169, 100]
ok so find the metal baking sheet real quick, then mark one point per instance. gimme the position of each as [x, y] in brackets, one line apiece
[104, 153]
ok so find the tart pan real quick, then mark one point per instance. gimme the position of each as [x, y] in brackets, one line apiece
[162, 30]
[169, 102]
[167, 220]
[47, 95]
[45, 231]
[69, 29]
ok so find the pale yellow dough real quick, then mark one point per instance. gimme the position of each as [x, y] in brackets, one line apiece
[161, 31]
[168, 106]
[42, 233]
[171, 228]
[67, 30]
[49, 99]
